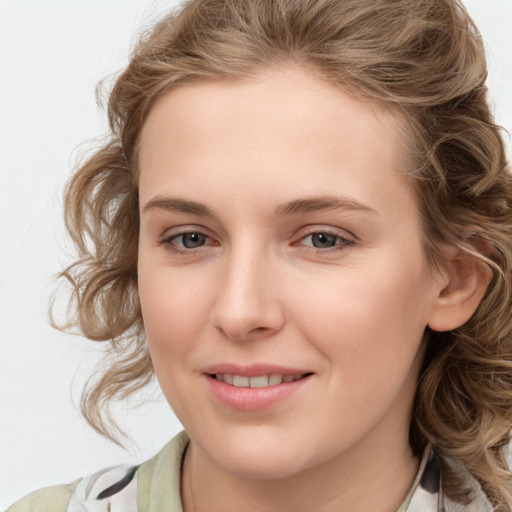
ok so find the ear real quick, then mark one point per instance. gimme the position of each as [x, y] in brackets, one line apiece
[465, 280]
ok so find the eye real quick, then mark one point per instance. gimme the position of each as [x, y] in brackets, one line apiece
[325, 240]
[187, 241]
[322, 240]
[190, 240]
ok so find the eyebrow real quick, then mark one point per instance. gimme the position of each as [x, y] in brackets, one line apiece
[321, 203]
[295, 207]
[176, 204]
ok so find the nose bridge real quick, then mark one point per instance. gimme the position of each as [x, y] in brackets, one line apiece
[246, 302]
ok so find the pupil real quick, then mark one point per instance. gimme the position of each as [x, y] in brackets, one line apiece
[323, 240]
[193, 240]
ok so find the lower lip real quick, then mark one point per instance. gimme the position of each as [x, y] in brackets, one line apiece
[253, 399]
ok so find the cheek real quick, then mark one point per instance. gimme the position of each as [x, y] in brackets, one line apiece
[370, 333]
[174, 308]
[174, 315]
[368, 318]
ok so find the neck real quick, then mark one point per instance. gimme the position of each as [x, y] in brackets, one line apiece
[374, 477]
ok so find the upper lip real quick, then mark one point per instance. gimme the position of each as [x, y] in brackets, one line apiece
[253, 370]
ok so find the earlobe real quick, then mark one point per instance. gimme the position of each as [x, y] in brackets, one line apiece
[463, 287]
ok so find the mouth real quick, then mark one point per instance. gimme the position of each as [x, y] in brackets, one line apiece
[256, 386]
[256, 391]
[259, 381]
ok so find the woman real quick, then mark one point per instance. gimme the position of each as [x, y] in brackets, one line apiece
[301, 224]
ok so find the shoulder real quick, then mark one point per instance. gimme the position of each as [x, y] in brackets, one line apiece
[159, 477]
[152, 486]
[109, 490]
[50, 499]
[112, 489]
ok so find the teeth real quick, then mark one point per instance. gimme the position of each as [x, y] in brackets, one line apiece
[275, 379]
[261, 381]
[240, 382]
[258, 382]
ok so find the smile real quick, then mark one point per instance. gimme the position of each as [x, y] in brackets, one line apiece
[260, 381]
[255, 392]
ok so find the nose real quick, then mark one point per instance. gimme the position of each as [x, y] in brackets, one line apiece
[248, 302]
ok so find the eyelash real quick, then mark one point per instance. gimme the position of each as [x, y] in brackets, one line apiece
[341, 242]
[169, 242]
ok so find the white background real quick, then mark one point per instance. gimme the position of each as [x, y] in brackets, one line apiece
[52, 53]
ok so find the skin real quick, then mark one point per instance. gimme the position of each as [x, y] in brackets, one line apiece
[255, 289]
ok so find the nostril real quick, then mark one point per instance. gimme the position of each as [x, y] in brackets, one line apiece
[246, 323]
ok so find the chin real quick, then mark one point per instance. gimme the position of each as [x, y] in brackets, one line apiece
[262, 468]
[259, 454]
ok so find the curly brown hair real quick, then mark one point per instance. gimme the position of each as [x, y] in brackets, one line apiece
[423, 57]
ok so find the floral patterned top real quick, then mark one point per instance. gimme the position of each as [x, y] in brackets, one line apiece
[155, 487]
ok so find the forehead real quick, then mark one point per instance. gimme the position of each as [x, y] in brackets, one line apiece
[268, 102]
[284, 128]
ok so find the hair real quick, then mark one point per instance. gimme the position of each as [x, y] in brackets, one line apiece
[423, 57]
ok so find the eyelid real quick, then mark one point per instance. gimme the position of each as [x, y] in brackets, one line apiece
[174, 233]
[184, 229]
[322, 228]
[347, 239]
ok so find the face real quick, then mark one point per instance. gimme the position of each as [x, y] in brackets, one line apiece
[280, 247]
